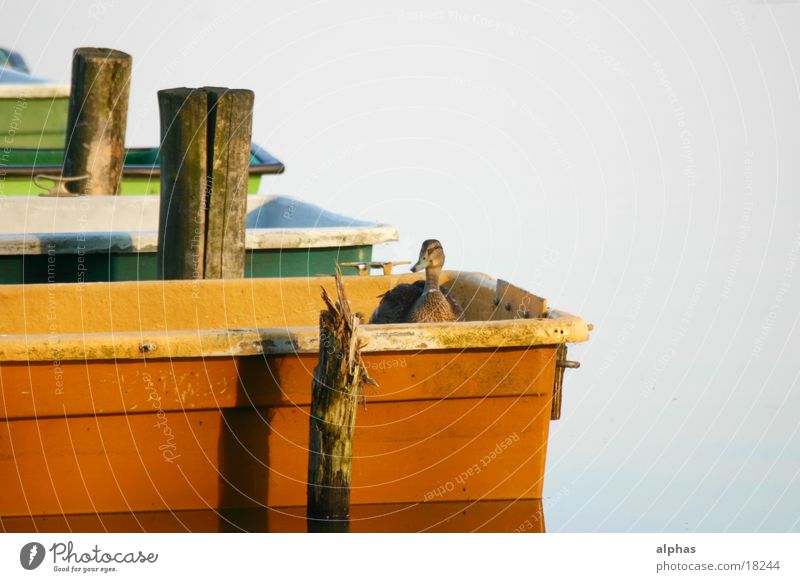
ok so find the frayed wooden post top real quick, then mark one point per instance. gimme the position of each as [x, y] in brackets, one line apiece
[339, 379]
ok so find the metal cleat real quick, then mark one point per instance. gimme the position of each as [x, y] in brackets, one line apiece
[59, 188]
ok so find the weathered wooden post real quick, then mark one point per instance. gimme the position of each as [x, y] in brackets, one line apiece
[339, 378]
[205, 156]
[182, 211]
[98, 110]
[230, 126]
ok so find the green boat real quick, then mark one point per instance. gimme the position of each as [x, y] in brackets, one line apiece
[33, 124]
[24, 171]
[33, 113]
[114, 238]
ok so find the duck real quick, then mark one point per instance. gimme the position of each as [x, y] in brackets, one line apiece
[421, 301]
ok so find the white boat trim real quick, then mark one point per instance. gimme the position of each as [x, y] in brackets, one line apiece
[31, 225]
[33, 91]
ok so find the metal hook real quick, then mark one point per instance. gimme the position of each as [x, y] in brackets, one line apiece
[561, 364]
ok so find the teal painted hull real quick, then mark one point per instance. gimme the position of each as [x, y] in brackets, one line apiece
[104, 267]
[115, 238]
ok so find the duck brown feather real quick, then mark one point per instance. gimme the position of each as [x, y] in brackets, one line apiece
[397, 304]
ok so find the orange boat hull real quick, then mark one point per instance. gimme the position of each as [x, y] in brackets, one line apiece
[226, 433]
[175, 406]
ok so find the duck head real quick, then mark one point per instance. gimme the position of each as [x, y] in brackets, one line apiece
[431, 256]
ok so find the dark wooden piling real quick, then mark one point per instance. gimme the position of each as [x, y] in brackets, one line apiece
[98, 110]
[339, 378]
[230, 124]
[205, 156]
[184, 176]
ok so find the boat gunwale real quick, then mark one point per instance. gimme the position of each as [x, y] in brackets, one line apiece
[133, 171]
[92, 242]
[34, 91]
[328, 230]
[557, 328]
[267, 165]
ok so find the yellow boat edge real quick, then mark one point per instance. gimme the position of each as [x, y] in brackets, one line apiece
[493, 324]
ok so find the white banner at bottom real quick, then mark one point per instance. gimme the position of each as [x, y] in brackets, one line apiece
[379, 557]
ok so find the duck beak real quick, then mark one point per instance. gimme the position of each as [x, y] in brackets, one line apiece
[421, 265]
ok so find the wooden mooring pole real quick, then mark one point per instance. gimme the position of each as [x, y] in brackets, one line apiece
[339, 378]
[230, 125]
[94, 147]
[205, 157]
